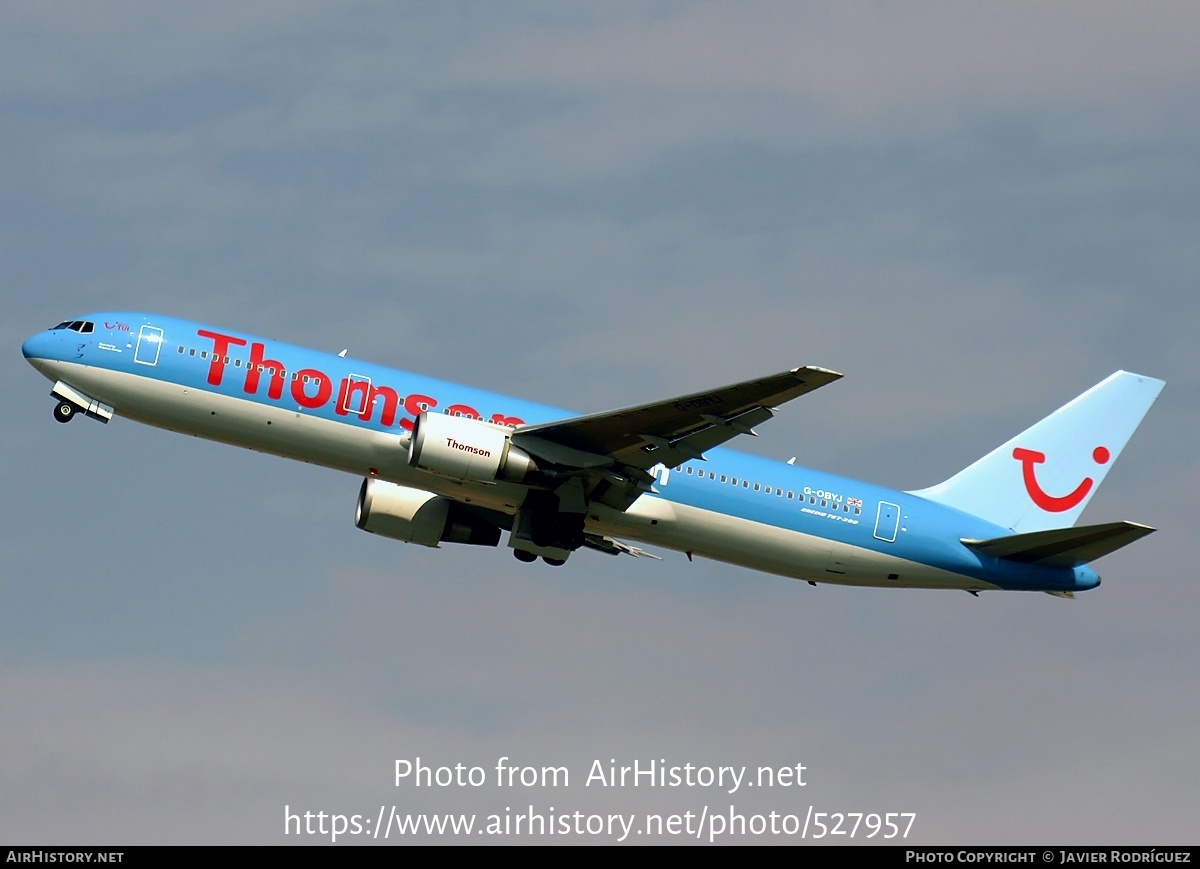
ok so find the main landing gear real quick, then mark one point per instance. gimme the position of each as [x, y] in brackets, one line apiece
[64, 411]
[529, 557]
[542, 530]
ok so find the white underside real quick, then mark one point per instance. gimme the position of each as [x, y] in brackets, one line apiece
[293, 433]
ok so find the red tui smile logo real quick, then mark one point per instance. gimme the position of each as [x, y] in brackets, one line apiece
[1048, 502]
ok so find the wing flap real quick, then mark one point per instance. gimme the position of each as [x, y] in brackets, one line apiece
[1062, 547]
[610, 546]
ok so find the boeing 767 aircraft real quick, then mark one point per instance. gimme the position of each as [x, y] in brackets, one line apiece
[443, 463]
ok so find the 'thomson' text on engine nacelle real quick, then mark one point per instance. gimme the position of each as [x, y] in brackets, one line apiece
[467, 449]
[414, 516]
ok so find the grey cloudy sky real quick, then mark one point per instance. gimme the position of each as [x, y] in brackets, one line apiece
[975, 211]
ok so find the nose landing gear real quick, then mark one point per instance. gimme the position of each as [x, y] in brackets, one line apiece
[71, 401]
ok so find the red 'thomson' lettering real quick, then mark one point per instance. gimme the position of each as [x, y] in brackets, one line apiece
[311, 388]
[467, 448]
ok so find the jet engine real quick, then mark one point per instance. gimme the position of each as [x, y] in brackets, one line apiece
[414, 516]
[467, 449]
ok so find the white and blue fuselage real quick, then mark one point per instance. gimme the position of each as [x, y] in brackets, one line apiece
[358, 417]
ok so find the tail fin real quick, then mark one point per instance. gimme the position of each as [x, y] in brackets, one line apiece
[1045, 476]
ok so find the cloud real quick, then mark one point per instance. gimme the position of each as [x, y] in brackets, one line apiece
[864, 59]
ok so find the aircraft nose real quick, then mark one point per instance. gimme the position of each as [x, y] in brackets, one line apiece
[39, 346]
[41, 350]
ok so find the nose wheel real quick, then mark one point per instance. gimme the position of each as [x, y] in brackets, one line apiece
[64, 411]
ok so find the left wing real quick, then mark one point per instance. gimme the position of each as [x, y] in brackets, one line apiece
[614, 451]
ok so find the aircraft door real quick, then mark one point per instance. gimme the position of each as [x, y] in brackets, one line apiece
[357, 394]
[149, 344]
[887, 521]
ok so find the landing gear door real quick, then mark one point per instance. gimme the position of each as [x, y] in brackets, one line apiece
[149, 344]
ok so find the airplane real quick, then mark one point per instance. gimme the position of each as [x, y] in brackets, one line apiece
[444, 463]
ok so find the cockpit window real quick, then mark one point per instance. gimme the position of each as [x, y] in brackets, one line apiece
[83, 326]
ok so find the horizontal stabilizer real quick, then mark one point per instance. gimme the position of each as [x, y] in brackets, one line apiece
[1062, 547]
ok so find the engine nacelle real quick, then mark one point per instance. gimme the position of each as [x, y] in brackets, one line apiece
[467, 449]
[414, 516]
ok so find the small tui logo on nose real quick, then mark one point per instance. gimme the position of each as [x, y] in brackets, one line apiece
[1051, 503]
